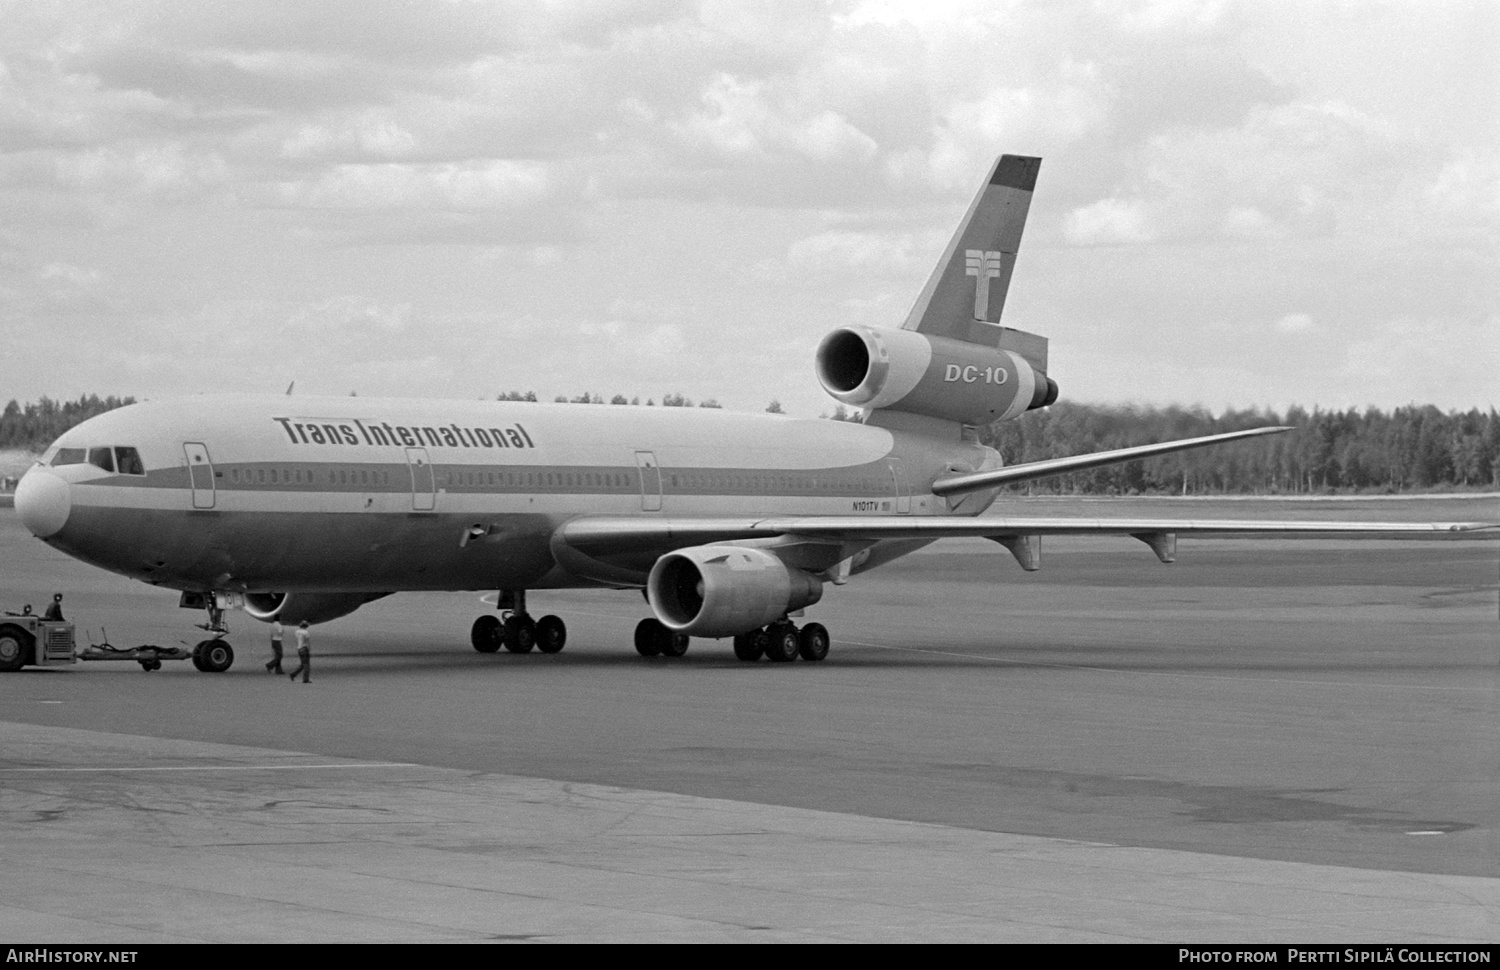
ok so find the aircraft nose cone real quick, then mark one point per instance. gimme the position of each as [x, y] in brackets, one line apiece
[42, 502]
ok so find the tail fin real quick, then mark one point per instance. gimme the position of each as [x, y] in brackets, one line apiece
[966, 293]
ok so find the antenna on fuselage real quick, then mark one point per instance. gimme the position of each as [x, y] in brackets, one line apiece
[289, 388]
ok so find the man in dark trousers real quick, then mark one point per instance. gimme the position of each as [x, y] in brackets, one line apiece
[274, 665]
[304, 654]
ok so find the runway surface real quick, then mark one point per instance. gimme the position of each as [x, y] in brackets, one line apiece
[1261, 715]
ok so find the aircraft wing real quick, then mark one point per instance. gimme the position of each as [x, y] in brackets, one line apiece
[602, 531]
[622, 550]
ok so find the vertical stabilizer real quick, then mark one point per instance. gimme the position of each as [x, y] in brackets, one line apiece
[966, 293]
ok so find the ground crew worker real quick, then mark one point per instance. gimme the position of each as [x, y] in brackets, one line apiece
[304, 654]
[54, 609]
[274, 666]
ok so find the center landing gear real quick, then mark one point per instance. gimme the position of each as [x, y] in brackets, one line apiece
[782, 642]
[515, 630]
[654, 639]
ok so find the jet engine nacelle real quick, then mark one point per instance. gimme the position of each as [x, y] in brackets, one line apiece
[312, 607]
[722, 591]
[902, 370]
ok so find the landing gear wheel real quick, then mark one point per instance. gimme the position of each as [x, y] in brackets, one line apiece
[781, 645]
[648, 637]
[520, 633]
[150, 665]
[485, 633]
[751, 646]
[812, 642]
[551, 634]
[15, 647]
[213, 656]
[673, 644]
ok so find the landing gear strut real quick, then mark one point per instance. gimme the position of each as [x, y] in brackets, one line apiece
[515, 630]
[215, 655]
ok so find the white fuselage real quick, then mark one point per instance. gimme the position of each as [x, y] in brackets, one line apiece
[258, 494]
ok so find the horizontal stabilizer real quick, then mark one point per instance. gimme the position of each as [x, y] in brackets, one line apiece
[978, 481]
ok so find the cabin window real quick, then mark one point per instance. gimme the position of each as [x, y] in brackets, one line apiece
[102, 458]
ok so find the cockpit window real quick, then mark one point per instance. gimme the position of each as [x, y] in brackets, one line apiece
[69, 456]
[102, 458]
[128, 461]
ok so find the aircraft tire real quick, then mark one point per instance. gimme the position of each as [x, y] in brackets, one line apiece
[749, 646]
[647, 639]
[485, 633]
[551, 634]
[781, 645]
[213, 656]
[15, 648]
[812, 642]
[672, 644]
[520, 633]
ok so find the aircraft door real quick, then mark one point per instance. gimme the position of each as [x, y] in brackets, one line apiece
[903, 491]
[200, 473]
[423, 482]
[650, 481]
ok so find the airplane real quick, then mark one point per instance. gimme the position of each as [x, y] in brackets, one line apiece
[307, 508]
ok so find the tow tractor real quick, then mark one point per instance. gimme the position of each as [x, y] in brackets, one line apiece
[29, 639]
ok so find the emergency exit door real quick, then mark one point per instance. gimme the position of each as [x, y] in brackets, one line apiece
[423, 482]
[200, 474]
[650, 481]
[903, 489]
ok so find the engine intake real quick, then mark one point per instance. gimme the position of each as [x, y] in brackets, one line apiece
[312, 607]
[939, 377]
[722, 591]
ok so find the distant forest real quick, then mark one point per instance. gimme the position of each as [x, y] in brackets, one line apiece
[1412, 448]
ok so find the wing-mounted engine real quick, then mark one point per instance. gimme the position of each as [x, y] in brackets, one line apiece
[721, 591]
[312, 607]
[940, 377]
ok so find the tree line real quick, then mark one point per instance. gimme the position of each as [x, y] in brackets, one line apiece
[1416, 447]
[1411, 448]
[31, 427]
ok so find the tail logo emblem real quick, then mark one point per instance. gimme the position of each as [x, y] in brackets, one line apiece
[983, 266]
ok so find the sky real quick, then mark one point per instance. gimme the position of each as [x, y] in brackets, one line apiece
[1240, 204]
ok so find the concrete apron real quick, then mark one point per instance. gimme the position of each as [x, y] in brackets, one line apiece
[113, 838]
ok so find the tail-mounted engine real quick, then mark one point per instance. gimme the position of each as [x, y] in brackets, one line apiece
[721, 591]
[312, 607]
[940, 377]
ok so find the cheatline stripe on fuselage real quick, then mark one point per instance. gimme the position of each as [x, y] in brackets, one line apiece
[459, 487]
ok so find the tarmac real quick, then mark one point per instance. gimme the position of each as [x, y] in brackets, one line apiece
[1267, 742]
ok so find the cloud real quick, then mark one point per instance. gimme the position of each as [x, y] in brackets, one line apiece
[1295, 323]
[1109, 222]
[869, 252]
[497, 183]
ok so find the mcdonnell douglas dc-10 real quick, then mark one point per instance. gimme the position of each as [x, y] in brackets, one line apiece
[304, 508]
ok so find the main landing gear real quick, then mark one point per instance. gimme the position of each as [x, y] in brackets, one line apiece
[515, 630]
[783, 642]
